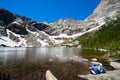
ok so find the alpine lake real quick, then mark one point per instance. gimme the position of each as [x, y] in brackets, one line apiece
[65, 63]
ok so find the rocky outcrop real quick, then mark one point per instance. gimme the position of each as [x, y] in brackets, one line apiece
[50, 76]
[115, 65]
[67, 26]
[106, 8]
[3, 30]
[110, 75]
[40, 26]
[105, 4]
[5, 16]
[18, 29]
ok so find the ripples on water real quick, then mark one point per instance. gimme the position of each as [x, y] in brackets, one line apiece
[65, 63]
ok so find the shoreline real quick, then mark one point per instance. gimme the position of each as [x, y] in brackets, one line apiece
[109, 75]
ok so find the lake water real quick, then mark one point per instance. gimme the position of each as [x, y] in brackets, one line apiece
[64, 62]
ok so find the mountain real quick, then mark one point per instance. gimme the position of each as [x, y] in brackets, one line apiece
[105, 38]
[69, 26]
[106, 8]
[20, 31]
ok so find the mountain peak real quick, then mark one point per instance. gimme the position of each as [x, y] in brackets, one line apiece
[105, 4]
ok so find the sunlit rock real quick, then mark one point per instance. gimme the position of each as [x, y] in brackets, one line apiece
[115, 65]
[50, 76]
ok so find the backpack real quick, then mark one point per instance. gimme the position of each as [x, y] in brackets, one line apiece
[102, 69]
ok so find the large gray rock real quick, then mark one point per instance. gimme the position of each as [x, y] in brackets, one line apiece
[115, 65]
[50, 76]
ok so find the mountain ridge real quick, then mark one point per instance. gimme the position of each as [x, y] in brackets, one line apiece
[25, 32]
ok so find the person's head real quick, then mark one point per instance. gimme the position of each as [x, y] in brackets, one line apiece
[94, 65]
[99, 64]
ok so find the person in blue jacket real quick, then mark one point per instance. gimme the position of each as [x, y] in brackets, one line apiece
[94, 69]
[101, 68]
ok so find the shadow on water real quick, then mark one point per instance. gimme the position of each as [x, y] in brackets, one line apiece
[65, 63]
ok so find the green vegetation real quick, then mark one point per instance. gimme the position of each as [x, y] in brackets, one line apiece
[117, 54]
[108, 37]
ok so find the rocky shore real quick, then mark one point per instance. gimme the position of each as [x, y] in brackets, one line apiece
[110, 75]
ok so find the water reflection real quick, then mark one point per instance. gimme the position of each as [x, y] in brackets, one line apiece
[64, 62]
[39, 54]
[44, 54]
[11, 54]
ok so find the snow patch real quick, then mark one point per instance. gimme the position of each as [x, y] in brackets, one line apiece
[76, 35]
[15, 22]
[31, 31]
[43, 42]
[8, 42]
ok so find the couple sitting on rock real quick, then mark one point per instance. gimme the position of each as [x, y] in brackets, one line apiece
[97, 68]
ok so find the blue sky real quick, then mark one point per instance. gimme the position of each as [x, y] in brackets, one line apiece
[51, 10]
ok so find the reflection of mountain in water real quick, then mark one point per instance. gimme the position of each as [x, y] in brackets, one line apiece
[63, 61]
[40, 54]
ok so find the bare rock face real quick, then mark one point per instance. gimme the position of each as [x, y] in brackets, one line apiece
[5, 16]
[106, 8]
[22, 31]
[3, 30]
[105, 3]
[18, 29]
[69, 26]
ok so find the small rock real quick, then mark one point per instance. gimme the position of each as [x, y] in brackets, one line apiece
[94, 59]
[50, 59]
[85, 59]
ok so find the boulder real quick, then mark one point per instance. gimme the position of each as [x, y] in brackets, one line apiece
[115, 65]
[50, 76]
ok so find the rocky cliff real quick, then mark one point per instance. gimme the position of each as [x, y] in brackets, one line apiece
[16, 30]
[106, 8]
